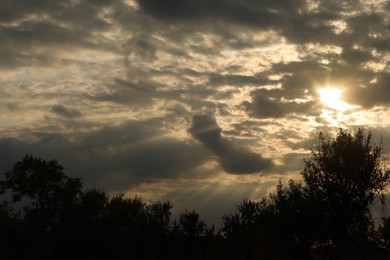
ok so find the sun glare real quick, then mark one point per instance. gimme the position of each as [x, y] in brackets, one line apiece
[330, 97]
[335, 111]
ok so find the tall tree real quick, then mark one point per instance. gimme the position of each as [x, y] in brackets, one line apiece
[345, 175]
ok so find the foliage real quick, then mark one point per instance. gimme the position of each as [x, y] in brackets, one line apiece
[190, 224]
[43, 182]
[384, 232]
[327, 215]
[344, 177]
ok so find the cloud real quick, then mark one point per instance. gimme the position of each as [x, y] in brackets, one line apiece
[372, 93]
[106, 87]
[136, 92]
[116, 158]
[263, 106]
[238, 80]
[262, 13]
[65, 112]
[233, 159]
[294, 19]
[39, 33]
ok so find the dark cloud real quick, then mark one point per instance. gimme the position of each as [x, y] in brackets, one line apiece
[218, 9]
[258, 64]
[264, 106]
[233, 159]
[13, 11]
[115, 158]
[238, 80]
[292, 18]
[176, 58]
[374, 93]
[136, 93]
[31, 33]
[353, 56]
[65, 112]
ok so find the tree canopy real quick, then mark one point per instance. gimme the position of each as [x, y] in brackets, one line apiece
[344, 177]
[327, 215]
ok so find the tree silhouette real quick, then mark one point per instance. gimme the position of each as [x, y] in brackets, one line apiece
[188, 235]
[43, 182]
[384, 232]
[329, 210]
[10, 230]
[327, 215]
[278, 226]
[343, 177]
[50, 196]
[250, 232]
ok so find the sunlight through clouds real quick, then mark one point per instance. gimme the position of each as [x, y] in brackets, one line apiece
[112, 89]
[331, 97]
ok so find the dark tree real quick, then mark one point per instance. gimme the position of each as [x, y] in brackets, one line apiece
[44, 184]
[384, 233]
[159, 217]
[278, 226]
[190, 224]
[344, 177]
[250, 232]
[9, 230]
[50, 196]
[83, 230]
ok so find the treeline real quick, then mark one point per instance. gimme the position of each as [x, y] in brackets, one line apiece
[326, 217]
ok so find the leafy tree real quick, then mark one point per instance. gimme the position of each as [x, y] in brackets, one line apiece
[279, 225]
[328, 211]
[249, 231]
[190, 224]
[344, 177]
[49, 190]
[83, 230]
[295, 220]
[159, 217]
[93, 204]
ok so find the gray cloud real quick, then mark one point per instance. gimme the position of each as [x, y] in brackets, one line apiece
[256, 64]
[263, 106]
[115, 158]
[292, 18]
[136, 93]
[31, 33]
[238, 80]
[191, 9]
[375, 93]
[233, 159]
[65, 112]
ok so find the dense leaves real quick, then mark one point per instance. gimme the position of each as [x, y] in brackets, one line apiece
[327, 216]
[344, 177]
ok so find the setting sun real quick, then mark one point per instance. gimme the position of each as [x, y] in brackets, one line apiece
[330, 97]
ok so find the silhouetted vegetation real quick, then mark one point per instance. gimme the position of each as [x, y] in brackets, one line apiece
[325, 217]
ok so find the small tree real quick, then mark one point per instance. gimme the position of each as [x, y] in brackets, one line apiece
[345, 175]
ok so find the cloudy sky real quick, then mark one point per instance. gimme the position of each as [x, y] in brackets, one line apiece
[204, 102]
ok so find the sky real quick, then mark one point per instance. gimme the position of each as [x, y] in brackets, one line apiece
[203, 102]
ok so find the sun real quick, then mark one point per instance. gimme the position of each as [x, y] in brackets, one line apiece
[331, 97]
